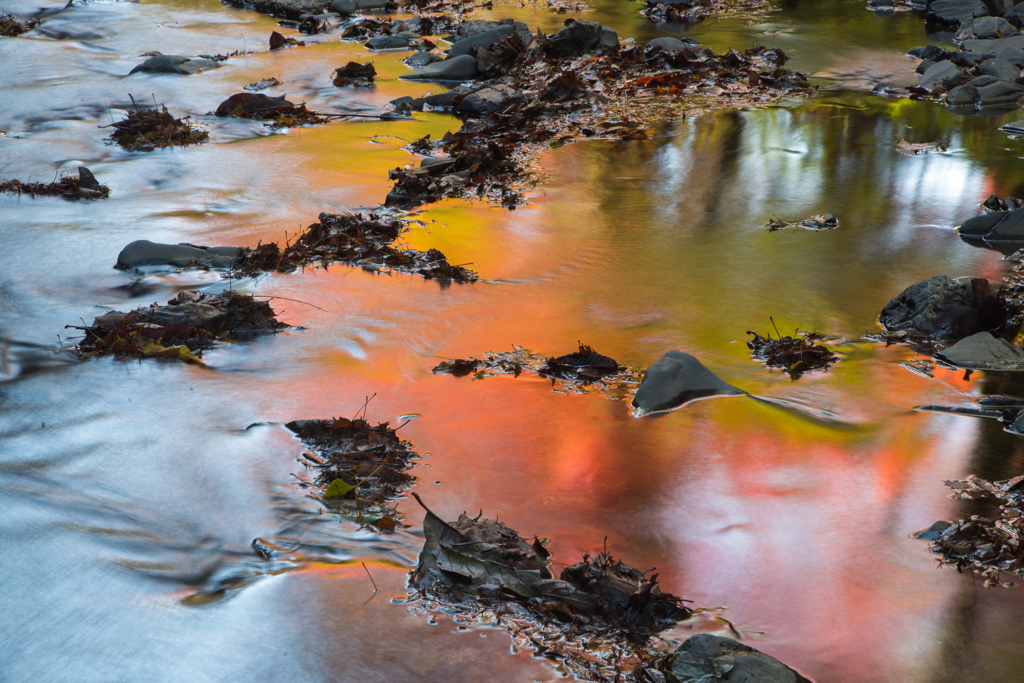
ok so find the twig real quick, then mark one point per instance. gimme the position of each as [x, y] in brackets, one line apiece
[371, 578]
[284, 298]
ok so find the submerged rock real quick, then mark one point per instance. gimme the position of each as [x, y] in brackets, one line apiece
[982, 351]
[943, 308]
[175, 64]
[146, 253]
[705, 658]
[387, 43]
[675, 380]
[462, 68]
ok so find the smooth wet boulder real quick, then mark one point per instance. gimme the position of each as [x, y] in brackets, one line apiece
[352, 6]
[999, 227]
[421, 59]
[146, 253]
[707, 658]
[993, 46]
[669, 43]
[943, 308]
[175, 64]
[962, 96]
[1011, 55]
[387, 43]
[1001, 69]
[933, 53]
[1000, 94]
[986, 28]
[953, 12]
[675, 380]
[579, 37]
[480, 40]
[461, 68]
[252, 105]
[982, 351]
[942, 75]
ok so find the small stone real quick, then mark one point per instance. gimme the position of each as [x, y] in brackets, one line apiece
[462, 68]
[675, 380]
[705, 658]
[982, 351]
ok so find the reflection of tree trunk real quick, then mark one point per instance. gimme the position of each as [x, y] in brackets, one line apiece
[982, 640]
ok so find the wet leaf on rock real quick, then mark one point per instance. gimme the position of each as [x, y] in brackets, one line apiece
[825, 221]
[277, 41]
[85, 186]
[11, 27]
[582, 364]
[278, 110]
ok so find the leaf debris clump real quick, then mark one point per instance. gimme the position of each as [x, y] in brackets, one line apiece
[11, 27]
[693, 11]
[597, 617]
[85, 186]
[825, 221]
[143, 130]
[356, 240]
[581, 372]
[359, 468]
[989, 547]
[795, 355]
[190, 322]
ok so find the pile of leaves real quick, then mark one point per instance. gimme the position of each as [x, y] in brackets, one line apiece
[693, 11]
[280, 112]
[143, 130]
[261, 84]
[354, 74]
[11, 27]
[579, 372]
[355, 240]
[85, 186]
[990, 547]
[825, 221]
[479, 565]
[913, 149]
[795, 355]
[277, 41]
[548, 98]
[190, 322]
[359, 468]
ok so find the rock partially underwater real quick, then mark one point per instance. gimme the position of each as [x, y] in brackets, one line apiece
[706, 658]
[675, 380]
[945, 309]
[145, 253]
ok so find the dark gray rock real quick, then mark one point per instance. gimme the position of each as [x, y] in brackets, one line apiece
[993, 27]
[924, 66]
[387, 43]
[1000, 69]
[675, 380]
[706, 658]
[933, 532]
[980, 226]
[475, 26]
[146, 253]
[87, 180]
[462, 68]
[993, 47]
[930, 52]
[402, 105]
[963, 96]
[175, 64]
[352, 6]
[1011, 55]
[668, 43]
[1000, 94]
[952, 12]
[480, 40]
[421, 59]
[1008, 229]
[1014, 128]
[943, 308]
[579, 37]
[944, 75]
[969, 58]
[982, 351]
[486, 100]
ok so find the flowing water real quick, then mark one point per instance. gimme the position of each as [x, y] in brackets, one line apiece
[131, 492]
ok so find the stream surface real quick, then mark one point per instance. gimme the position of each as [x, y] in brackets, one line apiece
[130, 493]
